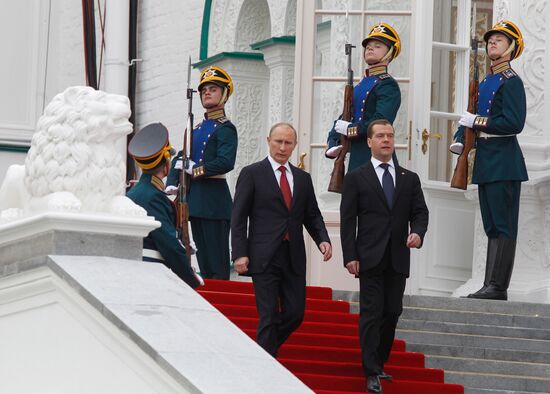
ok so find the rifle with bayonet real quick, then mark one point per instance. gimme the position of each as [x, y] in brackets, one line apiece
[337, 177]
[460, 175]
[182, 206]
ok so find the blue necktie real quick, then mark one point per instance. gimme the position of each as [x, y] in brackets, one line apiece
[387, 184]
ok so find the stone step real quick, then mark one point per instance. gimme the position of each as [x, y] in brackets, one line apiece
[473, 305]
[479, 353]
[507, 382]
[482, 341]
[469, 317]
[476, 329]
[535, 370]
[494, 391]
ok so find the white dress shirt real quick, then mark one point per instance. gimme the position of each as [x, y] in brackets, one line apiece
[277, 172]
[380, 171]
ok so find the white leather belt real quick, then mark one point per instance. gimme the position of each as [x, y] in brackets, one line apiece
[221, 176]
[485, 135]
[152, 254]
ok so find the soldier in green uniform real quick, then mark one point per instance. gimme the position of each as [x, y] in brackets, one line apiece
[499, 166]
[213, 154]
[376, 96]
[151, 150]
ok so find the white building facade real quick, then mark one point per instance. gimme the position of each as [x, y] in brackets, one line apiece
[288, 64]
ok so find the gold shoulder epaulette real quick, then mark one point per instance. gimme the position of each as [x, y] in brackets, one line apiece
[509, 73]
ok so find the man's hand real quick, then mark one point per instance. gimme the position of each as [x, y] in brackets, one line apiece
[341, 127]
[178, 165]
[353, 267]
[326, 249]
[334, 151]
[467, 119]
[413, 240]
[241, 265]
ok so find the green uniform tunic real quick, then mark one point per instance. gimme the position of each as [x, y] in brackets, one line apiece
[149, 194]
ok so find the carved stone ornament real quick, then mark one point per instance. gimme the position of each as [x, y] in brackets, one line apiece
[73, 164]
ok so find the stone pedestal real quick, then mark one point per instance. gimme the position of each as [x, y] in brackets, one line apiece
[77, 317]
[60, 233]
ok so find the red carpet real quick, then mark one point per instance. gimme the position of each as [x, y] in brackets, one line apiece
[324, 352]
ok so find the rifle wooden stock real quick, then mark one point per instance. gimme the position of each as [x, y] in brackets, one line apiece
[337, 177]
[460, 175]
[182, 207]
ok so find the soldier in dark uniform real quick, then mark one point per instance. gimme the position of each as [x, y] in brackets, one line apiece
[152, 152]
[499, 166]
[213, 154]
[376, 96]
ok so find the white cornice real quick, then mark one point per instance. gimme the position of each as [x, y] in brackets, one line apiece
[78, 222]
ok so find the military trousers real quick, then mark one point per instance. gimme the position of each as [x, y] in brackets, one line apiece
[212, 240]
[499, 204]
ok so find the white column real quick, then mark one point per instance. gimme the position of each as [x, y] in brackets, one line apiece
[116, 63]
[279, 58]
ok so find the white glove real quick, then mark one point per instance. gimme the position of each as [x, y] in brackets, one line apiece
[171, 189]
[334, 151]
[341, 127]
[199, 278]
[179, 164]
[190, 166]
[467, 119]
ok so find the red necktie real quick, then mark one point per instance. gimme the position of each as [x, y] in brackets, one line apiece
[285, 187]
[285, 190]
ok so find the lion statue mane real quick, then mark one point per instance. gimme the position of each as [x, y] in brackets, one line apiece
[74, 162]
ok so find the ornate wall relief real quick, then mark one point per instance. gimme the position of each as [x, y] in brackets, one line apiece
[253, 25]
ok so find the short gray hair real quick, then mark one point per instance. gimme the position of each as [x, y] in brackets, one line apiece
[283, 124]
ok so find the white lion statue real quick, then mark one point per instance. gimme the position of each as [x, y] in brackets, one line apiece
[74, 163]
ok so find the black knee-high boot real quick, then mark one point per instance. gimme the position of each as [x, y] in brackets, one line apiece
[492, 248]
[501, 272]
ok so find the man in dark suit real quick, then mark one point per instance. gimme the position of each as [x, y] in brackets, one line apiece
[276, 199]
[382, 216]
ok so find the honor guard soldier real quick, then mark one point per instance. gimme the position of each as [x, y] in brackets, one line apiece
[151, 150]
[499, 167]
[213, 154]
[376, 96]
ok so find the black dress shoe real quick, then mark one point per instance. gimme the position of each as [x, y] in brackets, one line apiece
[385, 376]
[373, 384]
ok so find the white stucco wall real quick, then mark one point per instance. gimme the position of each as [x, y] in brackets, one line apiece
[52, 52]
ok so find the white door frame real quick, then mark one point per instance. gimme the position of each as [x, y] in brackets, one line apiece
[444, 262]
